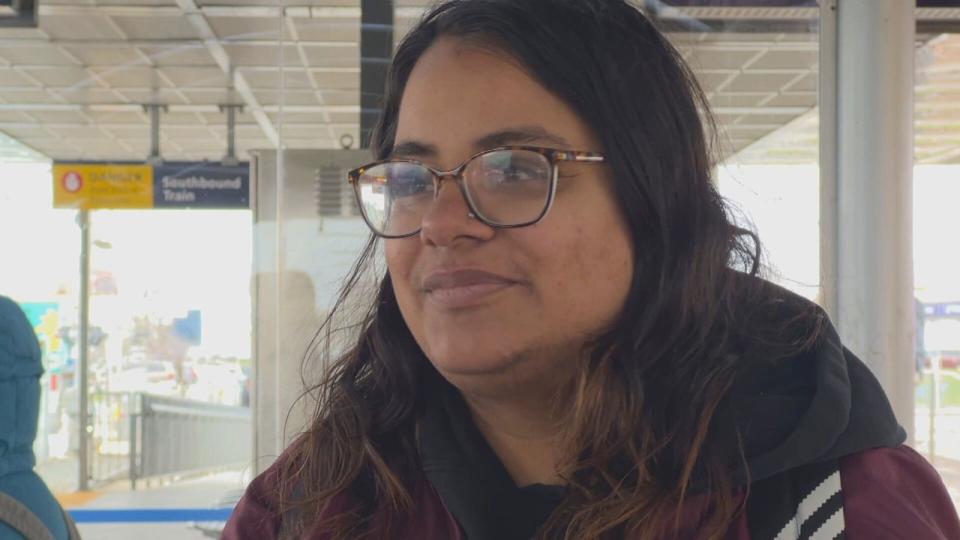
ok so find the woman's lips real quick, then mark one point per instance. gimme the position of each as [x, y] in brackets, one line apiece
[463, 288]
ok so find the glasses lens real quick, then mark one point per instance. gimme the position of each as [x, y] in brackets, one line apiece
[394, 196]
[509, 187]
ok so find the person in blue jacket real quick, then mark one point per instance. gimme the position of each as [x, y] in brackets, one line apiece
[27, 508]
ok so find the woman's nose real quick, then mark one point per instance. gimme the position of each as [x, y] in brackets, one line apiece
[448, 217]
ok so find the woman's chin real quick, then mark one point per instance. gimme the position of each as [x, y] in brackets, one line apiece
[471, 364]
[463, 361]
[502, 378]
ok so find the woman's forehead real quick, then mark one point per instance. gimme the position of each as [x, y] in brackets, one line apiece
[464, 96]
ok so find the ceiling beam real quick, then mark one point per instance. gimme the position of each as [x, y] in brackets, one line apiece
[760, 110]
[797, 124]
[315, 12]
[191, 10]
[188, 42]
[323, 109]
[719, 13]
[134, 107]
[747, 46]
[943, 157]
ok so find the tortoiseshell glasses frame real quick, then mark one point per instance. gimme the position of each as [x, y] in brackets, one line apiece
[552, 158]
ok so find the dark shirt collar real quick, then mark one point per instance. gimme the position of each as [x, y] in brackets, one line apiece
[469, 477]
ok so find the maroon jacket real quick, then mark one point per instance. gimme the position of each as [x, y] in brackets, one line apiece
[814, 427]
[889, 494]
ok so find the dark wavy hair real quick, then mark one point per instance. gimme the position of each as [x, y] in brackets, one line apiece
[640, 412]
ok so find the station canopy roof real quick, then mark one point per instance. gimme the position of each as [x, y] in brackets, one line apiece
[73, 86]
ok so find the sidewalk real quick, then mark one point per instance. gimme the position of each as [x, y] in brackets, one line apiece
[207, 492]
[59, 474]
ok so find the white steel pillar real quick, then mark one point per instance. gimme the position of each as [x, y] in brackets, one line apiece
[867, 179]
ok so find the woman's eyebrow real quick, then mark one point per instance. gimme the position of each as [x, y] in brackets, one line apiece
[520, 135]
[413, 149]
[504, 137]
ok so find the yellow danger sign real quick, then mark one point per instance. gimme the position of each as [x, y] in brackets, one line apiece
[89, 186]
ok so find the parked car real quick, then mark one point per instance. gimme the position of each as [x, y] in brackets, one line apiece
[217, 382]
[151, 376]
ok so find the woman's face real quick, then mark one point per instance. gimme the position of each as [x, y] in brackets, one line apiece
[499, 309]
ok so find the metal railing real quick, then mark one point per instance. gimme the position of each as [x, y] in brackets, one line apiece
[140, 436]
[109, 436]
[174, 436]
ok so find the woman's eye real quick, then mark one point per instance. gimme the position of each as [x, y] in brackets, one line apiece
[514, 174]
[407, 187]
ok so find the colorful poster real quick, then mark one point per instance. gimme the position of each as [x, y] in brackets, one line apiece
[44, 317]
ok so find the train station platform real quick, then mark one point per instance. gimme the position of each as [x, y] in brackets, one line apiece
[190, 509]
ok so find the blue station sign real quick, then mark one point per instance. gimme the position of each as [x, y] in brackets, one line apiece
[192, 184]
[942, 309]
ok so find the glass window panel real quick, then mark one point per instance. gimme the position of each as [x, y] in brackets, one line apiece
[936, 251]
[760, 76]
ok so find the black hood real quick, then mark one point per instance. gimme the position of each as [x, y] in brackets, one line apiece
[812, 407]
[804, 408]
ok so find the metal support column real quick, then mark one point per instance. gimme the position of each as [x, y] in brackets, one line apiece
[376, 49]
[83, 420]
[866, 224]
[154, 111]
[827, 103]
[230, 158]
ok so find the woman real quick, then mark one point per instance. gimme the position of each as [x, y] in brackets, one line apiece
[570, 340]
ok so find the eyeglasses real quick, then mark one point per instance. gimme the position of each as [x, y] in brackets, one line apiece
[506, 187]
